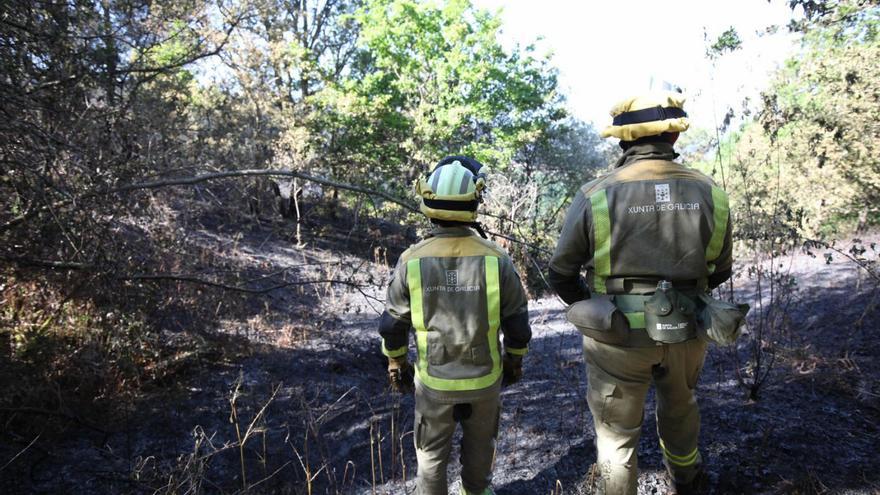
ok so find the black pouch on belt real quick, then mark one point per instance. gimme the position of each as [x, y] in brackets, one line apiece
[670, 316]
[599, 318]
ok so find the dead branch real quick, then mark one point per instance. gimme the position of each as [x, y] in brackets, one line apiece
[32, 262]
[236, 288]
[261, 172]
[187, 278]
[859, 262]
[187, 181]
[518, 241]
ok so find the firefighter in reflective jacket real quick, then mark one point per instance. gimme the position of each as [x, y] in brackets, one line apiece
[649, 220]
[457, 290]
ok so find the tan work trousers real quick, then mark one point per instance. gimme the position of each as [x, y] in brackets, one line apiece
[434, 426]
[619, 378]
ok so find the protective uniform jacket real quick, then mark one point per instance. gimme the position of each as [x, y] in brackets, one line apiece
[648, 219]
[457, 290]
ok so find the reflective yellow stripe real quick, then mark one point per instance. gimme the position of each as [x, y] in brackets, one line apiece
[393, 353]
[602, 239]
[414, 281]
[636, 319]
[450, 177]
[493, 305]
[516, 352]
[681, 461]
[720, 216]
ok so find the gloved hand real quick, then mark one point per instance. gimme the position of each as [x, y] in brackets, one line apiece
[512, 371]
[400, 375]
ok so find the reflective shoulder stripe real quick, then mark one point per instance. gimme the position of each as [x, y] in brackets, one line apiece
[720, 216]
[493, 305]
[602, 240]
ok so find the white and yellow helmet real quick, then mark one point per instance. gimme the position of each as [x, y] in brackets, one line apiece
[453, 190]
[648, 115]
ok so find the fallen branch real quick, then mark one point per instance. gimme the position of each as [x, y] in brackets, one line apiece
[188, 181]
[261, 172]
[235, 288]
[192, 279]
[33, 262]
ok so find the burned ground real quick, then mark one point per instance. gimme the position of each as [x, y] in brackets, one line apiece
[301, 404]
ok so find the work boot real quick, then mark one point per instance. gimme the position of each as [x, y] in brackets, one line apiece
[698, 486]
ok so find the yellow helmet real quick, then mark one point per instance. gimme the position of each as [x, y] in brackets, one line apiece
[648, 115]
[453, 190]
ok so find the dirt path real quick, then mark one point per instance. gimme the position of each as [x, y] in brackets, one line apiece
[324, 417]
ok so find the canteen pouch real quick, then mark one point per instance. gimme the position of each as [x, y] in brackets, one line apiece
[600, 319]
[719, 321]
[670, 316]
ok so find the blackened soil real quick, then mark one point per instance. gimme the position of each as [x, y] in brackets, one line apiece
[314, 416]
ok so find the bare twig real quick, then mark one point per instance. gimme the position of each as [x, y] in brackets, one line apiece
[267, 478]
[861, 263]
[22, 451]
[330, 408]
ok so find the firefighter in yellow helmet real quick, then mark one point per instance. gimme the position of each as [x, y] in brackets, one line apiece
[652, 236]
[457, 290]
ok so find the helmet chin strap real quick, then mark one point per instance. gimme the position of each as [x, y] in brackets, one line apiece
[479, 229]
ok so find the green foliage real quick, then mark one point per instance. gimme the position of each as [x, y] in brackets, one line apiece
[434, 80]
[829, 14]
[817, 145]
[728, 41]
[173, 53]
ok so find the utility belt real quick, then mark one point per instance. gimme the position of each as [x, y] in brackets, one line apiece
[648, 285]
[647, 312]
